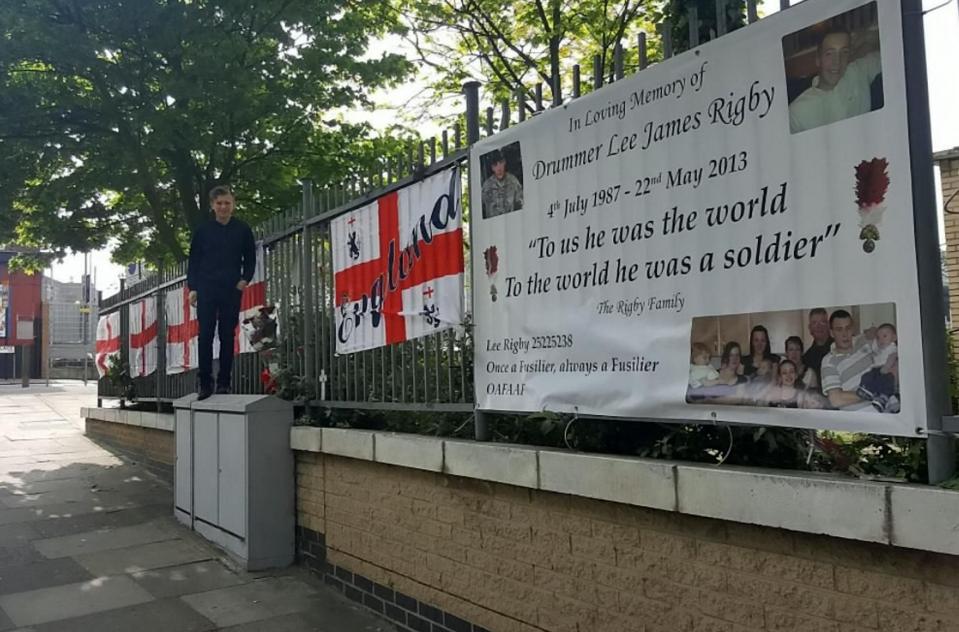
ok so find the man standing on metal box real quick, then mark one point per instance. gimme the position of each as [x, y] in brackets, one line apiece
[222, 263]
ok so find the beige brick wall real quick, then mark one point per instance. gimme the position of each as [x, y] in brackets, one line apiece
[949, 172]
[148, 443]
[512, 559]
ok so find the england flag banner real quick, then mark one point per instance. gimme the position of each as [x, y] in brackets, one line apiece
[182, 332]
[253, 299]
[183, 326]
[398, 265]
[143, 337]
[108, 341]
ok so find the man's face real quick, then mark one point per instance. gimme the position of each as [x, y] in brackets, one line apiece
[223, 207]
[842, 333]
[499, 169]
[832, 59]
[819, 327]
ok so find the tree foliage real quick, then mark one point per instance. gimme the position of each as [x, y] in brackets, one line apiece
[117, 116]
[508, 44]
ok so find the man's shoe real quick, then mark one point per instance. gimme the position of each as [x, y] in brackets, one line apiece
[223, 390]
[203, 393]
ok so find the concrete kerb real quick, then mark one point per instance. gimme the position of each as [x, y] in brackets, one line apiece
[910, 516]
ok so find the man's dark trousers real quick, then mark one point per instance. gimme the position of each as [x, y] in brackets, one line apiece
[217, 307]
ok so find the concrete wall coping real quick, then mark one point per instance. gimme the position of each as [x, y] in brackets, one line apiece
[911, 516]
[144, 419]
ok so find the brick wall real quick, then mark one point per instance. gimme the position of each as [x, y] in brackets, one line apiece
[949, 172]
[155, 448]
[438, 553]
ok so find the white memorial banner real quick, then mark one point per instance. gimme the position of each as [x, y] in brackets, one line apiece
[723, 234]
[398, 265]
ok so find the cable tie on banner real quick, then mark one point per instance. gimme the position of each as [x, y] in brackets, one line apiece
[729, 450]
[568, 425]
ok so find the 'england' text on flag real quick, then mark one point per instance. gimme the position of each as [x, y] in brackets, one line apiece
[398, 265]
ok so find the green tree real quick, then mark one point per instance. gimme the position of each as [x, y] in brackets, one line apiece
[512, 43]
[117, 116]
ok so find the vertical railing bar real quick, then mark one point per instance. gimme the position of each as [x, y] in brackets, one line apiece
[666, 33]
[504, 121]
[577, 88]
[618, 71]
[489, 121]
[721, 17]
[521, 104]
[751, 11]
[643, 54]
[693, 22]
[597, 72]
[539, 97]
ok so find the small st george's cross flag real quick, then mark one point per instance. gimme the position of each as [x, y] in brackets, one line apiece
[398, 265]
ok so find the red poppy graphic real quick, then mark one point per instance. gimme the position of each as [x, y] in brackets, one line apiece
[492, 260]
[872, 181]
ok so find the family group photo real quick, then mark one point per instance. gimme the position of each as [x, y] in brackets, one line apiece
[840, 358]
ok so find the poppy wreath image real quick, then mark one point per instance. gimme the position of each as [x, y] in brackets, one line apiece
[872, 182]
[491, 256]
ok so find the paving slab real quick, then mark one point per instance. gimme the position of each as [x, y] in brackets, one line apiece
[72, 600]
[17, 533]
[14, 516]
[353, 621]
[17, 554]
[187, 579]
[6, 623]
[107, 481]
[71, 525]
[107, 539]
[260, 599]
[69, 510]
[171, 615]
[55, 492]
[143, 557]
[42, 574]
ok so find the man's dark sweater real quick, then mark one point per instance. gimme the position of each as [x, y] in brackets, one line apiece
[221, 255]
[814, 355]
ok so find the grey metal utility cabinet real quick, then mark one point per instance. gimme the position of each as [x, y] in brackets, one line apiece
[234, 478]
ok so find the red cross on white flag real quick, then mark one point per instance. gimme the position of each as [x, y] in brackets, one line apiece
[108, 340]
[182, 332]
[391, 256]
[143, 337]
[183, 328]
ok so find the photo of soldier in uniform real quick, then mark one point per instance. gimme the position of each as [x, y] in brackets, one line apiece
[502, 180]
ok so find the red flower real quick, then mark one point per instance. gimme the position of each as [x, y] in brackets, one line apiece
[492, 260]
[872, 181]
[269, 386]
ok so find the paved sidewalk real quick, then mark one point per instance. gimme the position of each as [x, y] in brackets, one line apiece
[88, 542]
